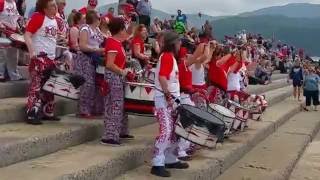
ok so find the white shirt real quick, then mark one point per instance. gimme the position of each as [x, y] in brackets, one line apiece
[95, 37]
[198, 75]
[9, 16]
[234, 81]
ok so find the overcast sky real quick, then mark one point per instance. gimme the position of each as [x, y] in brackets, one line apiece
[211, 7]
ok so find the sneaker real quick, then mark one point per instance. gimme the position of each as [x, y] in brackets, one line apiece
[160, 171]
[53, 118]
[127, 136]
[33, 117]
[177, 165]
[110, 142]
[185, 158]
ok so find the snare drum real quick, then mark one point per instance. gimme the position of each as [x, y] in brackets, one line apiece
[134, 65]
[5, 43]
[139, 98]
[149, 75]
[242, 114]
[199, 127]
[17, 39]
[60, 84]
[224, 114]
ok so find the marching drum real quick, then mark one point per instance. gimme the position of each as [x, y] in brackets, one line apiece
[224, 114]
[60, 51]
[63, 85]
[199, 127]
[242, 114]
[17, 39]
[4, 43]
[139, 98]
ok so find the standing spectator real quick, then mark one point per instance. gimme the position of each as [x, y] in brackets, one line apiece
[181, 17]
[207, 29]
[155, 27]
[172, 21]
[92, 4]
[144, 11]
[296, 74]
[311, 89]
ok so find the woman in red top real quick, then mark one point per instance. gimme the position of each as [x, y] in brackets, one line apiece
[116, 121]
[137, 45]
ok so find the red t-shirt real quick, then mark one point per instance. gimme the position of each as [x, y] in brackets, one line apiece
[218, 75]
[137, 41]
[185, 76]
[115, 46]
[166, 64]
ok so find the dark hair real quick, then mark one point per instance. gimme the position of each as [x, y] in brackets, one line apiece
[76, 18]
[170, 38]
[19, 7]
[91, 16]
[41, 5]
[116, 25]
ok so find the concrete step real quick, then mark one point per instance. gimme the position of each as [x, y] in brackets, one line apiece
[275, 157]
[21, 142]
[209, 164]
[13, 109]
[94, 161]
[13, 89]
[308, 166]
[260, 89]
[279, 76]
[24, 71]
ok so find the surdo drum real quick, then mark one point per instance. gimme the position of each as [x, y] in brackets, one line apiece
[224, 114]
[242, 114]
[199, 127]
[65, 85]
[4, 43]
[139, 98]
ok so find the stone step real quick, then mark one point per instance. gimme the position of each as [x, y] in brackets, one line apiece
[209, 164]
[279, 76]
[21, 142]
[275, 157]
[24, 71]
[308, 166]
[94, 161]
[13, 109]
[13, 89]
[260, 89]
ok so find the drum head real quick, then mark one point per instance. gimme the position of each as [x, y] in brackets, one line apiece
[222, 110]
[202, 115]
[5, 42]
[17, 37]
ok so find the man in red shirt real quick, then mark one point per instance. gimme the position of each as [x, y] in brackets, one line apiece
[92, 4]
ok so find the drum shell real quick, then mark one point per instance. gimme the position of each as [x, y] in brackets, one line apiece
[139, 98]
[190, 126]
[226, 119]
[61, 86]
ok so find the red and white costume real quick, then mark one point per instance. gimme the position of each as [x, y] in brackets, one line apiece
[8, 17]
[44, 30]
[165, 144]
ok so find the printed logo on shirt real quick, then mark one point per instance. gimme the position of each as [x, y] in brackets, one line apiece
[50, 31]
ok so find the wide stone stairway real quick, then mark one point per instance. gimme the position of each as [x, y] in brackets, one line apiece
[70, 149]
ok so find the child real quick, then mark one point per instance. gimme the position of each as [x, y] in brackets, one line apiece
[311, 89]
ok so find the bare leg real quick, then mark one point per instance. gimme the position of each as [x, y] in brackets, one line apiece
[299, 93]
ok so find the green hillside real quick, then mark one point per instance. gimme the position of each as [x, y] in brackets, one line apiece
[301, 32]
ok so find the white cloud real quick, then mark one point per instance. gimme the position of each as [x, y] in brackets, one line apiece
[212, 7]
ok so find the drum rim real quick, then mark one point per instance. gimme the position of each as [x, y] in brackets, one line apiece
[230, 115]
[140, 84]
[222, 122]
[238, 105]
[5, 41]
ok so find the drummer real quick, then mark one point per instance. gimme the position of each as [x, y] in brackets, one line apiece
[167, 84]
[41, 39]
[116, 120]
[8, 21]
[137, 45]
[90, 41]
[78, 21]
